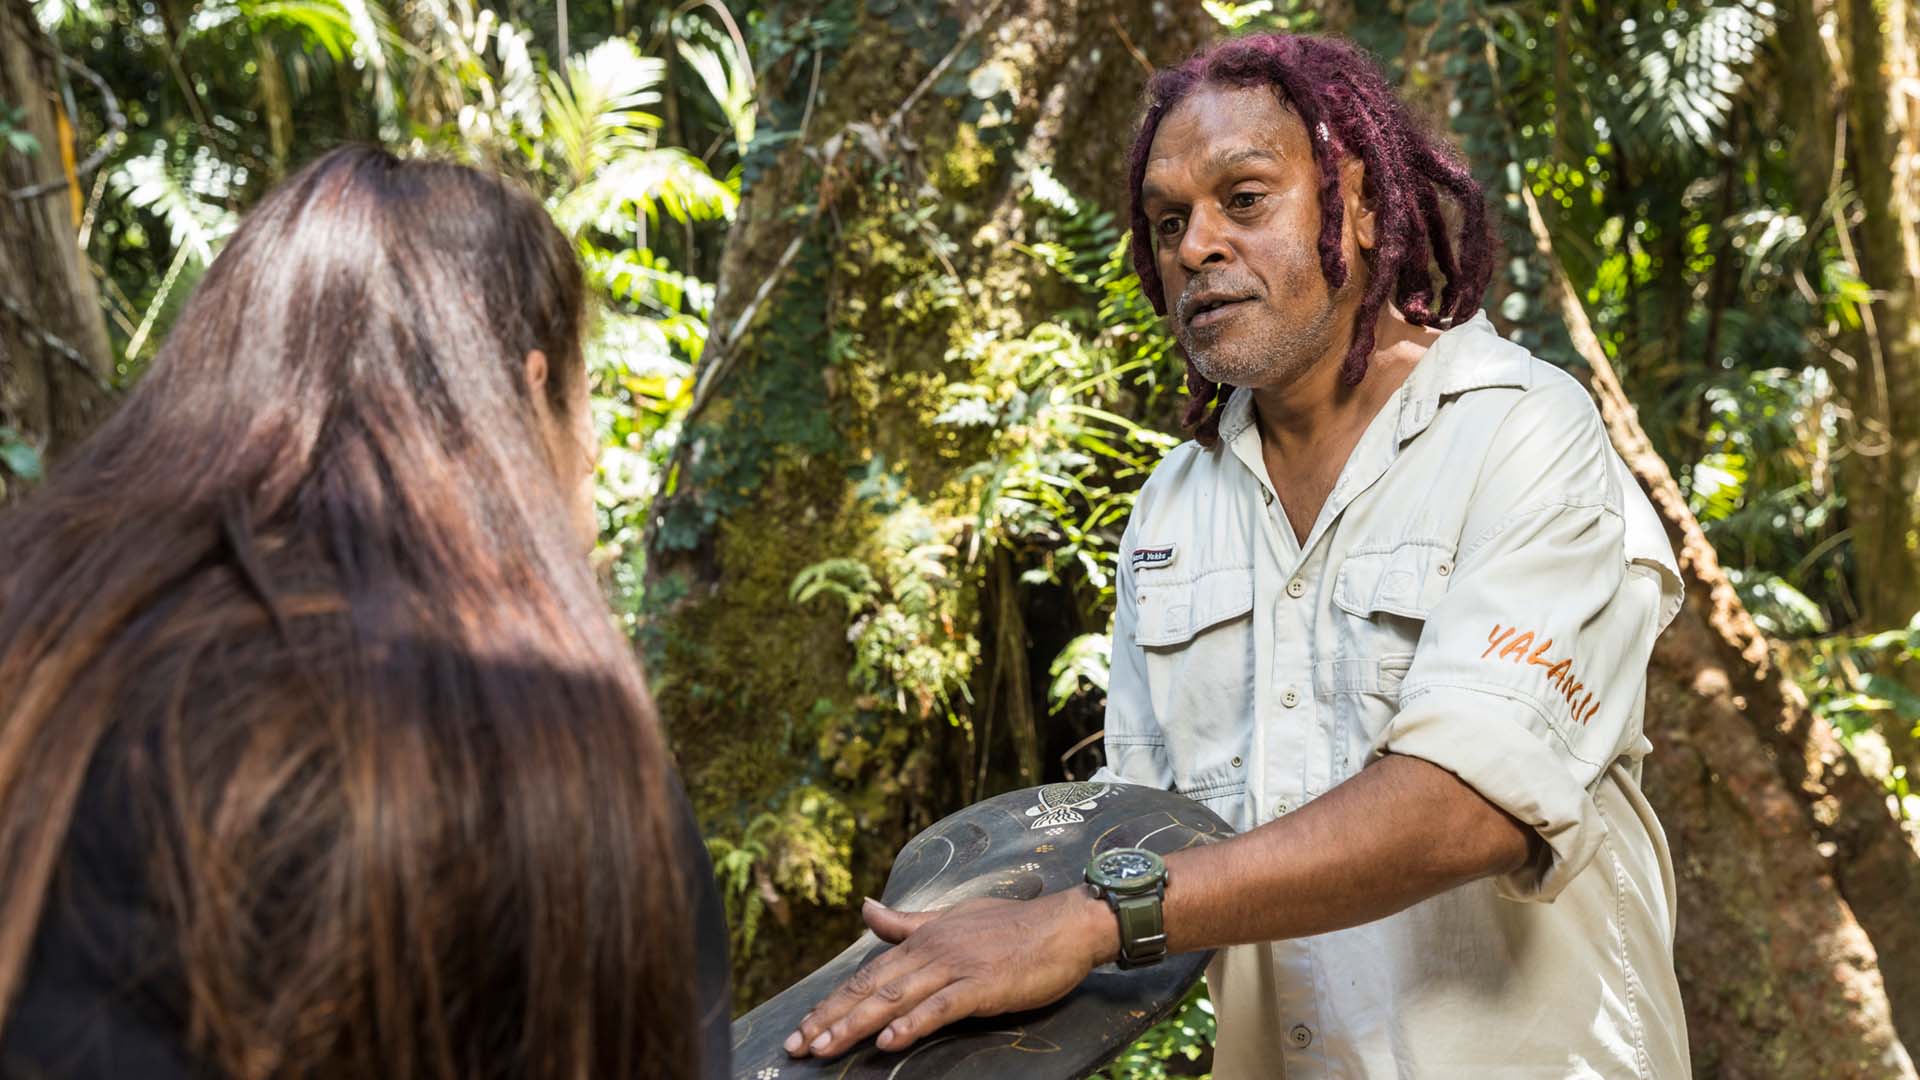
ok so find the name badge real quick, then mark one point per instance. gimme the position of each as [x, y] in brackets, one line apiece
[1149, 557]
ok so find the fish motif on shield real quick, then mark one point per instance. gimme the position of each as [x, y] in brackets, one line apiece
[1060, 804]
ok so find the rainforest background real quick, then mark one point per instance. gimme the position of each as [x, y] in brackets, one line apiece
[877, 387]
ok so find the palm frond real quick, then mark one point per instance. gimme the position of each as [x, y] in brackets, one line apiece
[519, 85]
[89, 14]
[186, 199]
[595, 108]
[372, 30]
[323, 23]
[649, 180]
[1692, 65]
[730, 83]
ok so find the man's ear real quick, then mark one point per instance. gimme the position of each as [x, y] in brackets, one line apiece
[1358, 204]
[536, 370]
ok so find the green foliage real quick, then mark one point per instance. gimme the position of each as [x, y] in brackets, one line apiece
[1255, 15]
[451, 77]
[993, 440]
[189, 193]
[1663, 152]
[1691, 61]
[727, 75]
[799, 851]
[1084, 663]
[15, 137]
[18, 457]
[1053, 463]
[1176, 1046]
[1864, 683]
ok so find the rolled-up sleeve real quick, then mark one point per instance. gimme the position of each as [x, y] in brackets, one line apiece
[1528, 680]
[1136, 747]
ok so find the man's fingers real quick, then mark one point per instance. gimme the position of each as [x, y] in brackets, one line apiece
[955, 1001]
[880, 971]
[893, 926]
[888, 1002]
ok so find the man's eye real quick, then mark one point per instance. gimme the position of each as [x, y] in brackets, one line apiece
[1243, 200]
[1169, 226]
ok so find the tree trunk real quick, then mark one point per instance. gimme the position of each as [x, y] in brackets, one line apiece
[1779, 976]
[1796, 942]
[1877, 367]
[1883, 484]
[835, 332]
[53, 341]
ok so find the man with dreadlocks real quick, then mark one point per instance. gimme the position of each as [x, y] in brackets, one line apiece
[1389, 614]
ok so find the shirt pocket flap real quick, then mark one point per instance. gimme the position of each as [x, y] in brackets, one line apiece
[1406, 579]
[1173, 613]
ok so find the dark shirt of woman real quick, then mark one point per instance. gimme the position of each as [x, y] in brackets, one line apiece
[103, 995]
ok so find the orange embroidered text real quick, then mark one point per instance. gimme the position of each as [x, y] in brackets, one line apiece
[1509, 643]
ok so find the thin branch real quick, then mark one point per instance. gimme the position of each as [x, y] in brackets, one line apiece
[704, 387]
[1139, 57]
[116, 124]
[139, 338]
[966, 37]
[813, 90]
[1876, 356]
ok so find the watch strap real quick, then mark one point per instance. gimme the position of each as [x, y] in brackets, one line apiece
[1143, 936]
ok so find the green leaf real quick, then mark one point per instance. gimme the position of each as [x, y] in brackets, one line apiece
[21, 459]
[1084, 660]
[11, 119]
[728, 77]
[189, 200]
[1904, 702]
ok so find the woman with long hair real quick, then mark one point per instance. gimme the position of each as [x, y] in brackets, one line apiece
[320, 754]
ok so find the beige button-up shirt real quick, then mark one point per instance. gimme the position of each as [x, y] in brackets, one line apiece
[1481, 590]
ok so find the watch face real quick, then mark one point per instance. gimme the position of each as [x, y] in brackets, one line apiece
[1127, 865]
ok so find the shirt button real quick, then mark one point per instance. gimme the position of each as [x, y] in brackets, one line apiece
[1443, 569]
[1290, 698]
[1296, 588]
[1236, 761]
[1301, 1036]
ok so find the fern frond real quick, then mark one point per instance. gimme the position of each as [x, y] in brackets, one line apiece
[185, 200]
[1692, 67]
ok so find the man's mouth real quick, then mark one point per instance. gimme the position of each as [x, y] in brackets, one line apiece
[1214, 310]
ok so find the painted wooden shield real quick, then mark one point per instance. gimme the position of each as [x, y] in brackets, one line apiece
[1018, 845]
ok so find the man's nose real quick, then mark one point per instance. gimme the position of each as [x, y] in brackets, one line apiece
[1205, 241]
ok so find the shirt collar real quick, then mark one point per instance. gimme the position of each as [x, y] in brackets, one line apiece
[1470, 356]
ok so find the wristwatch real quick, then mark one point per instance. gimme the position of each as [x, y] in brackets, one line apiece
[1133, 882]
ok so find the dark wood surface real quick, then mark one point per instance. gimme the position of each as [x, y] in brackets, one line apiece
[1018, 845]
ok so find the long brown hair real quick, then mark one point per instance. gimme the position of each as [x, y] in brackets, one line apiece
[315, 584]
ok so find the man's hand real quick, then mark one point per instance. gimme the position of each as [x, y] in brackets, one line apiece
[978, 958]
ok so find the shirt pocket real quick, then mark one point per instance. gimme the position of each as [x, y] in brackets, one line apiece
[1172, 614]
[1196, 640]
[1223, 790]
[1381, 597]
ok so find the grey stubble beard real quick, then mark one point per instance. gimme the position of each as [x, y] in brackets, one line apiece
[1278, 356]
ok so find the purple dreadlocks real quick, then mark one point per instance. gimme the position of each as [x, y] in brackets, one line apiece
[1347, 106]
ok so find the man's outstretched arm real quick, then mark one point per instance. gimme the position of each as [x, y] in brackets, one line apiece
[1400, 831]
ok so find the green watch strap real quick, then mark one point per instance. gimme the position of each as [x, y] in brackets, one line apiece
[1143, 937]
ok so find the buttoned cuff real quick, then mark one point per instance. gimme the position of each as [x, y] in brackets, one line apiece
[1474, 735]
